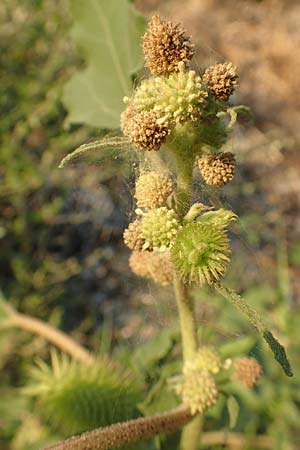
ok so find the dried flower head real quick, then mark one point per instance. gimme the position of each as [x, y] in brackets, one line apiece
[177, 99]
[207, 358]
[161, 270]
[152, 189]
[198, 390]
[247, 371]
[133, 237]
[143, 129]
[152, 265]
[217, 169]
[159, 228]
[165, 45]
[200, 253]
[138, 263]
[221, 80]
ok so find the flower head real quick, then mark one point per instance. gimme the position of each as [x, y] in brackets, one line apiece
[178, 98]
[217, 169]
[165, 45]
[152, 265]
[159, 228]
[221, 80]
[152, 189]
[207, 358]
[200, 253]
[132, 236]
[247, 371]
[198, 391]
[142, 128]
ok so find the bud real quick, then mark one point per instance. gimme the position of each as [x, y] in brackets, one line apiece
[198, 391]
[152, 265]
[217, 169]
[221, 80]
[132, 236]
[159, 228]
[207, 358]
[200, 253]
[152, 189]
[177, 99]
[247, 371]
[142, 128]
[221, 218]
[165, 45]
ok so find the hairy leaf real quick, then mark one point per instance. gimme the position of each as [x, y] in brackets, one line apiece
[110, 144]
[108, 35]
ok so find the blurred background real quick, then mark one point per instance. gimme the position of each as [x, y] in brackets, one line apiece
[62, 258]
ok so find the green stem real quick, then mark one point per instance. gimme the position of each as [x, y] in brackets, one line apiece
[190, 438]
[187, 320]
[191, 434]
[257, 322]
[184, 183]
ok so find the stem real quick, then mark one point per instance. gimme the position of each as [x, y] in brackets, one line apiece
[56, 337]
[184, 182]
[191, 434]
[190, 437]
[257, 322]
[187, 320]
[120, 434]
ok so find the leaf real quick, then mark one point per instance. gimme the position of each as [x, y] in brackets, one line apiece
[233, 411]
[108, 143]
[148, 356]
[108, 35]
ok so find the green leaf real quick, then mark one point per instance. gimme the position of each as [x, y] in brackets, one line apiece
[148, 356]
[233, 411]
[109, 37]
[106, 144]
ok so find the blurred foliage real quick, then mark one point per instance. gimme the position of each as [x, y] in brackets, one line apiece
[108, 35]
[61, 260]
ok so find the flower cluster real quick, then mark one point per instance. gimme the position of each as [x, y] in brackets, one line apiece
[247, 371]
[173, 104]
[198, 388]
[173, 95]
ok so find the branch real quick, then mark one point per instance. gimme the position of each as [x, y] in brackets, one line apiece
[51, 334]
[120, 434]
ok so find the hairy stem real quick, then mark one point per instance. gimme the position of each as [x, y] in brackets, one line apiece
[187, 320]
[190, 438]
[257, 322]
[51, 334]
[124, 433]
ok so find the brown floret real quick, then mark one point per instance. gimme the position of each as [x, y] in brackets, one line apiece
[132, 236]
[221, 80]
[217, 169]
[247, 371]
[165, 45]
[143, 128]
